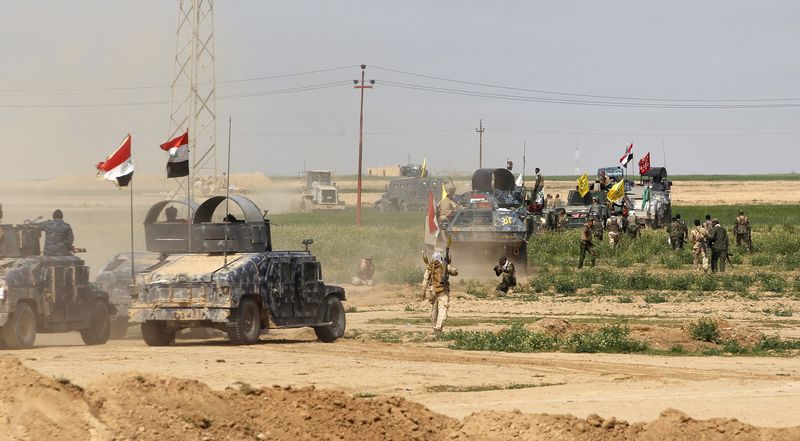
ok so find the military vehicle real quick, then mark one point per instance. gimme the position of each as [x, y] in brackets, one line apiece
[578, 209]
[46, 294]
[221, 273]
[650, 198]
[320, 192]
[410, 192]
[115, 279]
[492, 220]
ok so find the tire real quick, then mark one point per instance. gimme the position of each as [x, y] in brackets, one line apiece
[334, 313]
[156, 334]
[19, 331]
[119, 328]
[99, 329]
[245, 325]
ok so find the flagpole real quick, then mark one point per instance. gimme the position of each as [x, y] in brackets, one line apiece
[133, 271]
[189, 215]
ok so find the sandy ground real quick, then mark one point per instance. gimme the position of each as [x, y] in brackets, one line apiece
[764, 391]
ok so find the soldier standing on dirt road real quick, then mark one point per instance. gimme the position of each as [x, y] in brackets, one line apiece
[440, 297]
[506, 270]
[698, 236]
[586, 243]
[719, 246]
[58, 236]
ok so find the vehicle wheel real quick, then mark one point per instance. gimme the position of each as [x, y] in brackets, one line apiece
[334, 313]
[119, 328]
[99, 325]
[20, 329]
[156, 334]
[245, 325]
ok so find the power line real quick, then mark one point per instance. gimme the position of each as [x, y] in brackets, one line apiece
[551, 92]
[475, 93]
[167, 86]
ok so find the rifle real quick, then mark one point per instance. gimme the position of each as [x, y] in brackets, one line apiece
[728, 258]
[446, 276]
[427, 283]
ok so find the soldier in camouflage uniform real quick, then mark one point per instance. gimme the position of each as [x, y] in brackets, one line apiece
[614, 227]
[562, 221]
[677, 232]
[58, 236]
[586, 243]
[718, 237]
[434, 278]
[633, 225]
[447, 209]
[699, 237]
[505, 269]
[742, 230]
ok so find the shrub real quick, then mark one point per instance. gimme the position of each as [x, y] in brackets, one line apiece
[772, 282]
[705, 329]
[775, 343]
[678, 282]
[609, 338]
[733, 347]
[515, 338]
[625, 299]
[761, 260]
[655, 297]
[705, 282]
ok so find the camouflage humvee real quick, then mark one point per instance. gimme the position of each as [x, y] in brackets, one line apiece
[411, 191]
[222, 273]
[46, 294]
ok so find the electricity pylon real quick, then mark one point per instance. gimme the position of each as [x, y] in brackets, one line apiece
[194, 88]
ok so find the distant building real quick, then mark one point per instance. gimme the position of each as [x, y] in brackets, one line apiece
[387, 170]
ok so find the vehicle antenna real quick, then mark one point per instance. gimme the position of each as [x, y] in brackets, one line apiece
[227, 194]
[524, 148]
[664, 153]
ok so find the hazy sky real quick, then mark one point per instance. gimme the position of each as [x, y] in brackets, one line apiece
[678, 50]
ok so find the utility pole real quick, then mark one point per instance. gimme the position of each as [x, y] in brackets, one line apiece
[480, 144]
[361, 139]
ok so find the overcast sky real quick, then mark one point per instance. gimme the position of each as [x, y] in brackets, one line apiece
[678, 50]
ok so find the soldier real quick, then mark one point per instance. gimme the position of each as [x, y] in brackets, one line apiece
[707, 224]
[742, 230]
[509, 275]
[435, 279]
[548, 201]
[633, 225]
[677, 232]
[596, 212]
[447, 208]
[171, 214]
[698, 236]
[563, 220]
[538, 183]
[586, 243]
[718, 237]
[365, 272]
[604, 181]
[614, 226]
[557, 202]
[58, 236]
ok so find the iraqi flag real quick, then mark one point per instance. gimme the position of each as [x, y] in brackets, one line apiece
[433, 224]
[628, 156]
[118, 167]
[178, 162]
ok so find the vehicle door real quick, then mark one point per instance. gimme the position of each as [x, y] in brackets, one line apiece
[280, 291]
[61, 289]
[307, 289]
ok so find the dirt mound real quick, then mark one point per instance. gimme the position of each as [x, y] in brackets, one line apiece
[35, 407]
[131, 406]
[671, 425]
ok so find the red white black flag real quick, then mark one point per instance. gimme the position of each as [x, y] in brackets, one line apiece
[178, 162]
[628, 156]
[118, 167]
[644, 164]
[433, 224]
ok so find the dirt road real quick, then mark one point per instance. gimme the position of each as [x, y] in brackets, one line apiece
[760, 391]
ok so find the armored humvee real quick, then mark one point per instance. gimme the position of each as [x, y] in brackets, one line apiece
[222, 273]
[46, 294]
[410, 192]
[491, 219]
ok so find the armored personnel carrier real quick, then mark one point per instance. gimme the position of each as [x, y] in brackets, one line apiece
[220, 272]
[491, 220]
[46, 294]
[410, 192]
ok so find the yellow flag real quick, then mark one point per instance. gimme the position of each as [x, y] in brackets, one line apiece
[617, 192]
[583, 185]
[422, 172]
[444, 191]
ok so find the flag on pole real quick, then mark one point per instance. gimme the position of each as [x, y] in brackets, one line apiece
[617, 192]
[444, 192]
[178, 162]
[118, 167]
[424, 163]
[644, 164]
[433, 223]
[628, 156]
[645, 197]
[583, 185]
